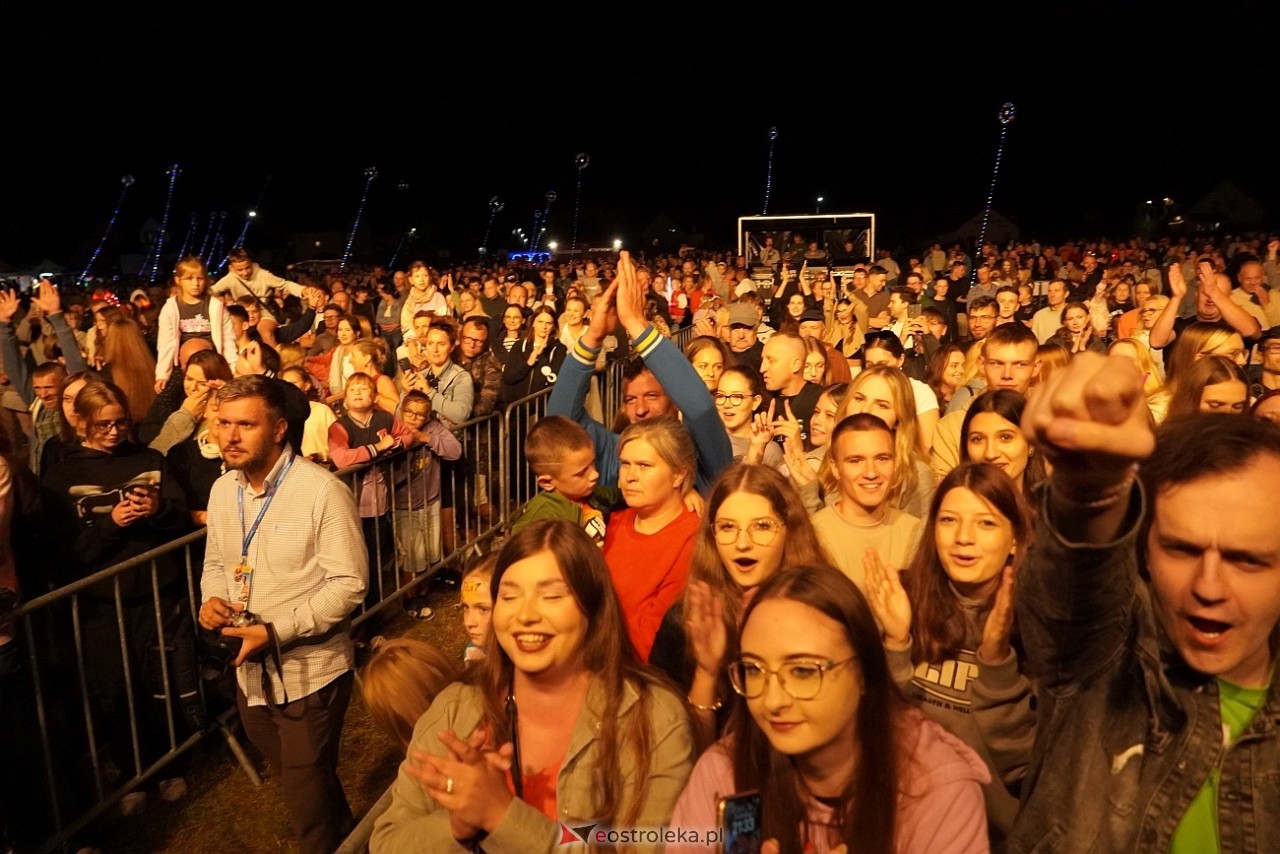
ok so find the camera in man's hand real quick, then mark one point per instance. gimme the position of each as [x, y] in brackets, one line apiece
[219, 650]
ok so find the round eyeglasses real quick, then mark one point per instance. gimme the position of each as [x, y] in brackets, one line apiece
[802, 680]
[761, 531]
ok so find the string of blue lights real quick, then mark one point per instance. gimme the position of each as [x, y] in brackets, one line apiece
[369, 175]
[495, 206]
[126, 182]
[1006, 117]
[582, 161]
[768, 173]
[173, 172]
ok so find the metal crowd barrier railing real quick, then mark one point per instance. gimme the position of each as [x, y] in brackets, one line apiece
[120, 724]
[104, 730]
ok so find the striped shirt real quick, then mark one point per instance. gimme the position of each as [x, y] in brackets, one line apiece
[310, 571]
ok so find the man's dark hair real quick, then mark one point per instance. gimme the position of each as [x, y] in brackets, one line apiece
[979, 303]
[477, 322]
[1206, 443]
[905, 294]
[238, 254]
[267, 390]
[1199, 445]
[270, 359]
[877, 270]
[936, 314]
[1006, 289]
[239, 312]
[49, 368]
[633, 367]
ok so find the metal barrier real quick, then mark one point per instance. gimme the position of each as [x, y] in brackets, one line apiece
[116, 692]
[86, 727]
[125, 733]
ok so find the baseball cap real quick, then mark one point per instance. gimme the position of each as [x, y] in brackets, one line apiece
[741, 314]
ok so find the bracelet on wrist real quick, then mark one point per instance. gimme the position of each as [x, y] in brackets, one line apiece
[1108, 497]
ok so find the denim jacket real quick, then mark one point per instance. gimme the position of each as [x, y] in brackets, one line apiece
[1128, 733]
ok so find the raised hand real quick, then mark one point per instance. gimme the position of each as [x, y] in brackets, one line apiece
[999, 627]
[630, 296]
[8, 305]
[47, 298]
[888, 600]
[787, 425]
[798, 467]
[704, 626]
[761, 435]
[1091, 422]
[1177, 284]
[604, 316]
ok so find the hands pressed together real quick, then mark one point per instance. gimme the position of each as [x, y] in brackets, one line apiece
[470, 782]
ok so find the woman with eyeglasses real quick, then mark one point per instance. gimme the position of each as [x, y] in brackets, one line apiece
[844, 762]
[738, 397]
[559, 722]
[753, 519]
[948, 625]
[109, 489]
[109, 499]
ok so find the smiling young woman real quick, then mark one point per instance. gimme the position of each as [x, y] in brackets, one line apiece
[590, 734]
[822, 731]
[949, 626]
[753, 519]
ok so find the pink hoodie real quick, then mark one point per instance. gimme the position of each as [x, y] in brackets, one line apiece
[940, 806]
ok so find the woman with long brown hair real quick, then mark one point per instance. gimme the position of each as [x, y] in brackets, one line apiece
[844, 762]
[588, 734]
[127, 362]
[754, 517]
[949, 626]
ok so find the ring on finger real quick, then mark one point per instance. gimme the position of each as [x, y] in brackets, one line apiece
[448, 785]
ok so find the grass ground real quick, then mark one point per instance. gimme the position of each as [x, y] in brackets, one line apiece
[223, 812]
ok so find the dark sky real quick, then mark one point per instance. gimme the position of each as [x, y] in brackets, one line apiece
[1116, 103]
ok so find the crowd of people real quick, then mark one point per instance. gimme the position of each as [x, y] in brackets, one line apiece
[946, 553]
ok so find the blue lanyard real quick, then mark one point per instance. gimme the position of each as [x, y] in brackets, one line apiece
[272, 489]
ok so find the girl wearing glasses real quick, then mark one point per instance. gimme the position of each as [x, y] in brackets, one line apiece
[949, 626]
[846, 764]
[753, 518]
[110, 499]
[737, 397]
[561, 722]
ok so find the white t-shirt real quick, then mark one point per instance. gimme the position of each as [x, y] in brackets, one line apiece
[926, 400]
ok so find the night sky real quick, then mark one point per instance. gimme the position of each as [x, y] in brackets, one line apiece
[1116, 103]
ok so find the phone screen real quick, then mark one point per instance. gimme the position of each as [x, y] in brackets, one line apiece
[740, 822]
[914, 310]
